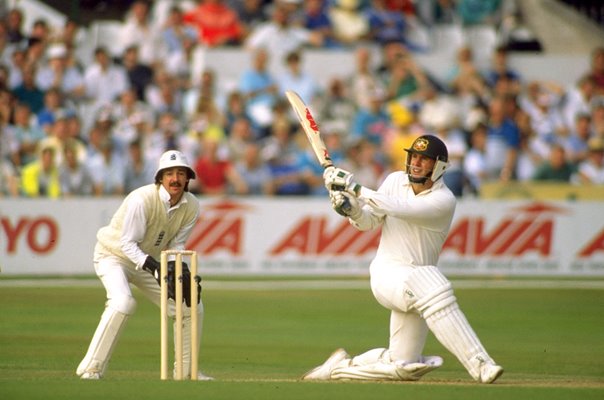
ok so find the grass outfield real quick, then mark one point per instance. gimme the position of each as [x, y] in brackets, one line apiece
[258, 342]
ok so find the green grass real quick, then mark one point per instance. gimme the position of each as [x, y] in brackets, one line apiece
[257, 343]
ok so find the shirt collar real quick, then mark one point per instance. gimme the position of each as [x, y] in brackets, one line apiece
[164, 196]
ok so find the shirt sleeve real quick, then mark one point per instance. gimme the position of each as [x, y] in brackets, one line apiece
[133, 232]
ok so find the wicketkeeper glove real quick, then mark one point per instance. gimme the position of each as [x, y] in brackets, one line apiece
[340, 179]
[152, 266]
[345, 204]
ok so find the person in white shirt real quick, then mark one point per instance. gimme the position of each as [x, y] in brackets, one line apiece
[152, 218]
[104, 80]
[414, 209]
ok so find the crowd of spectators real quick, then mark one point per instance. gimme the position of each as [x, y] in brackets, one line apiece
[246, 141]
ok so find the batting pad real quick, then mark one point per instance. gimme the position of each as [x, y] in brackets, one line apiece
[438, 305]
[103, 342]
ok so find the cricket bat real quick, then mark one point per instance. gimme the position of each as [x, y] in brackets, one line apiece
[310, 127]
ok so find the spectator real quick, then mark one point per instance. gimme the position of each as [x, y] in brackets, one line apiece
[56, 73]
[216, 174]
[556, 168]
[241, 132]
[255, 173]
[350, 25]
[251, 13]
[259, 88]
[16, 63]
[108, 170]
[542, 105]
[137, 30]
[312, 170]
[14, 26]
[40, 177]
[336, 107]
[217, 23]
[575, 144]
[139, 75]
[596, 72]
[578, 99]
[9, 178]
[475, 164]
[503, 142]
[296, 79]
[26, 135]
[591, 171]
[235, 110]
[386, 25]
[361, 160]
[105, 81]
[28, 93]
[53, 103]
[363, 80]
[127, 114]
[500, 69]
[140, 171]
[597, 116]
[316, 19]
[164, 94]
[282, 154]
[476, 12]
[175, 31]
[74, 176]
[372, 123]
[279, 37]
[465, 81]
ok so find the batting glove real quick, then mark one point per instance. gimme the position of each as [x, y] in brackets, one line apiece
[345, 204]
[340, 179]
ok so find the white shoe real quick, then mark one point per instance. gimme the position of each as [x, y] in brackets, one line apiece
[323, 371]
[414, 371]
[490, 372]
[91, 376]
[202, 377]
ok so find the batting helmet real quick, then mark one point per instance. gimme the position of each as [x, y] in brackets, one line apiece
[172, 159]
[434, 148]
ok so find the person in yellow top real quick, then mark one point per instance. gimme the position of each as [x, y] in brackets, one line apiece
[152, 218]
[40, 178]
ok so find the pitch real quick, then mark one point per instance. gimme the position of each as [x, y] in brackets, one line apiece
[258, 342]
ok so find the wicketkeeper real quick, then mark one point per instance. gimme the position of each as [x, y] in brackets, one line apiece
[414, 208]
[152, 218]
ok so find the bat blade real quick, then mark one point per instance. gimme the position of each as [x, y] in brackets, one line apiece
[310, 127]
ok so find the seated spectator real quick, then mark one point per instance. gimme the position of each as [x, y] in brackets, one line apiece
[139, 75]
[556, 168]
[464, 79]
[164, 94]
[500, 68]
[280, 37]
[591, 171]
[216, 23]
[475, 163]
[236, 109]
[140, 170]
[26, 136]
[541, 103]
[27, 92]
[138, 30]
[53, 103]
[75, 178]
[255, 173]
[578, 99]
[362, 161]
[238, 136]
[296, 79]
[335, 107]
[58, 137]
[260, 90]
[127, 114]
[216, 175]
[315, 18]
[596, 72]
[108, 169]
[56, 73]
[575, 143]
[175, 31]
[475, 12]
[386, 25]
[104, 79]
[282, 154]
[372, 123]
[40, 177]
[350, 26]
[14, 26]
[503, 142]
[251, 13]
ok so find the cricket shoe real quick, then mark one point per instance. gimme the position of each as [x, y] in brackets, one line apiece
[490, 372]
[414, 371]
[91, 376]
[323, 371]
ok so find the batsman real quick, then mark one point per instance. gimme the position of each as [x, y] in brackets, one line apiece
[414, 209]
[152, 218]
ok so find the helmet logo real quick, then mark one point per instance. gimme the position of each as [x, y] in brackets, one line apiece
[173, 157]
[420, 144]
